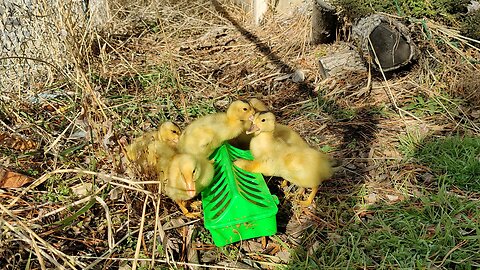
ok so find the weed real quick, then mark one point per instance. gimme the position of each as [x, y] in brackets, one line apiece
[327, 149]
[318, 105]
[199, 109]
[344, 114]
[470, 26]
[231, 252]
[422, 106]
[160, 76]
[409, 142]
[352, 144]
[204, 237]
[160, 249]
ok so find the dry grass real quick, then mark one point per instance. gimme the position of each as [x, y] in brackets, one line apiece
[176, 60]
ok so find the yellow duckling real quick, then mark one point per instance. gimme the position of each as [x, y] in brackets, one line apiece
[207, 133]
[283, 132]
[300, 165]
[169, 133]
[187, 177]
[153, 151]
[258, 105]
[242, 141]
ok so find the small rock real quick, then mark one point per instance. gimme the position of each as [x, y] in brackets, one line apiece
[313, 249]
[473, 6]
[371, 198]
[382, 177]
[427, 177]
[124, 266]
[334, 237]
[475, 114]
[298, 76]
[115, 193]
[222, 103]
[351, 166]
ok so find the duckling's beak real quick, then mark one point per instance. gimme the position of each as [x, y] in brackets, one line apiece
[253, 128]
[190, 185]
[251, 118]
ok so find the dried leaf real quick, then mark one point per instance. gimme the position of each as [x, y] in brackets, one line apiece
[115, 194]
[394, 198]
[82, 189]
[209, 256]
[284, 256]
[192, 253]
[296, 228]
[16, 142]
[236, 264]
[252, 246]
[9, 179]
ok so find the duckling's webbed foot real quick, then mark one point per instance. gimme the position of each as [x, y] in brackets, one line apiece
[193, 214]
[196, 205]
[185, 211]
[182, 205]
[309, 201]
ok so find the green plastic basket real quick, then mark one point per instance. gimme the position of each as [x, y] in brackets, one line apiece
[238, 204]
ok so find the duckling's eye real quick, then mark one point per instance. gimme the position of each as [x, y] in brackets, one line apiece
[263, 120]
[174, 131]
[245, 109]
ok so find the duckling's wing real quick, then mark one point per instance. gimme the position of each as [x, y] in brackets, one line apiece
[289, 136]
[206, 175]
[198, 141]
[175, 187]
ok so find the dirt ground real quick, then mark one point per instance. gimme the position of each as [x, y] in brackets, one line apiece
[184, 59]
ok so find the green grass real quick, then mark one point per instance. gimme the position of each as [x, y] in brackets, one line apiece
[456, 160]
[318, 105]
[422, 106]
[436, 230]
[444, 10]
[151, 96]
[409, 142]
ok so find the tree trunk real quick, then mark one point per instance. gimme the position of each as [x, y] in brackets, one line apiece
[324, 22]
[384, 42]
